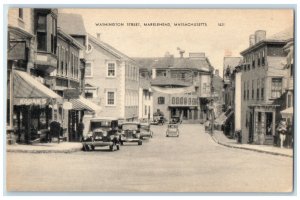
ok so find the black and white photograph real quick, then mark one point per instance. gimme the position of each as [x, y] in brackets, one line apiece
[149, 100]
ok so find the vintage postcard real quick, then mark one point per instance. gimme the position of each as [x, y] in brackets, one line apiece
[150, 100]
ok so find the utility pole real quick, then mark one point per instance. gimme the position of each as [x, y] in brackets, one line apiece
[212, 102]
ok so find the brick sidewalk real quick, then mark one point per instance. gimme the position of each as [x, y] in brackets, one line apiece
[63, 147]
[220, 138]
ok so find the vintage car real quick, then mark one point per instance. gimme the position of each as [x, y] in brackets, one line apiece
[103, 132]
[145, 131]
[130, 132]
[172, 130]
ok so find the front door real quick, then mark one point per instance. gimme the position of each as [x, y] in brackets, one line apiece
[250, 128]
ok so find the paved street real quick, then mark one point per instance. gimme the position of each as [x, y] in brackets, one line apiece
[191, 163]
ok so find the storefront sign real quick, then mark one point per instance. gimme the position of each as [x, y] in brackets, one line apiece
[71, 94]
[30, 101]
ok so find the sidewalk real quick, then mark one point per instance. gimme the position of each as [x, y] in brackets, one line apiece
[221, 139]
[63, 147]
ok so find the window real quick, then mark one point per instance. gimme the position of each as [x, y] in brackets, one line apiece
[41, 33]
[21, 13]
[181, 100]
[145, 110]
[244, 90]
[263, 58]
[276, 89]
[88, 70]
[66, 62]
[289, 100]
[258, 59]
[253, 61]
[262, 88]
[161, 100]
[173, 100]
[111, 98]
[89, 95]
[111, 70]
[177, 100]
[190, 101]
[62, 58]
[185, 100]
[252, 89]
[247, 90]
[257, 90]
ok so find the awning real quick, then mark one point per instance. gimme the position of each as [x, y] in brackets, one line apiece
[182, 90]
[84, 104]
[287, 113]
[27, 90]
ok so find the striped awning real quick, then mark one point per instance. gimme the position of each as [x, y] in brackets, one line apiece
[27, 90]
[84, 104]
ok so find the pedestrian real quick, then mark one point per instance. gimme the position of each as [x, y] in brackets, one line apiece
[282, 132]
[80, 129]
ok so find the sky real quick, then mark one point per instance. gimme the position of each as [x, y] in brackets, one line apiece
[214, 40]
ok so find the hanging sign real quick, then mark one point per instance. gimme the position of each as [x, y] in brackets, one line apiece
[67, 105]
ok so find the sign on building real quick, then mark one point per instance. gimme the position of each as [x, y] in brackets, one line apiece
[71, 94]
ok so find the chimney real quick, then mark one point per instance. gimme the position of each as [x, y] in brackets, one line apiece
[98, 36]
[251, 40]
[260, 35]
[181, 52]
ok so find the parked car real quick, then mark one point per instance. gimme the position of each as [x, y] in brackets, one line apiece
[145, 131]
[103, 132]
[158, 120]
[172, 130]
[130, 132]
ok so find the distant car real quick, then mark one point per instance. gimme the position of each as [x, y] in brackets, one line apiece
[172, 130]
[130, 132]
[145, 131]
[103, 132]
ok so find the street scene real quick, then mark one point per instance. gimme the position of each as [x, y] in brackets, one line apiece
[150, 100]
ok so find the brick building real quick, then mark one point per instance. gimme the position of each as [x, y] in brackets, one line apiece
[263, 79]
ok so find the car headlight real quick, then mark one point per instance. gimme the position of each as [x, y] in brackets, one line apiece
[104, 134]
[134, 132]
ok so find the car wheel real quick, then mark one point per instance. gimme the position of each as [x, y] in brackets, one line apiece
[111, 147]
[92, 147]
[118, 147]
[140, 142]
[121, 143]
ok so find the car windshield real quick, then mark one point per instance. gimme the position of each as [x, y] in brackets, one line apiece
[146, 127]
[100, 124]
[130, 127]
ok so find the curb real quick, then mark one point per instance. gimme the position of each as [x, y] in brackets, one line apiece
[72, 150]
[250, 149]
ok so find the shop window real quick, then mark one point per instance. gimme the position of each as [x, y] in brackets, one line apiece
[161, 100]
[276, 89]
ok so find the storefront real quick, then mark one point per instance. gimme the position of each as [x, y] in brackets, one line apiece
[33, 105]
[261, 123]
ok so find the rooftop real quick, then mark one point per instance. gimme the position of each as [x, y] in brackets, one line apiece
[71, 24]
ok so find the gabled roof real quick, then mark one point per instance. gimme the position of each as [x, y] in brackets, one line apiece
[231, 62]
[109, 48]
[71, 24]
[174, 63]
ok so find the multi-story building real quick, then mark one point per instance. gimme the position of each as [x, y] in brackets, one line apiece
[32, 35]
[263, 78]
[217, 92]
[145, 96]
[181, 86]
[112, 80]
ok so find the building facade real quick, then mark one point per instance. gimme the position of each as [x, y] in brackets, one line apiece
[145, 96]
[112, 80]
[181, 86]
[263, 79]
